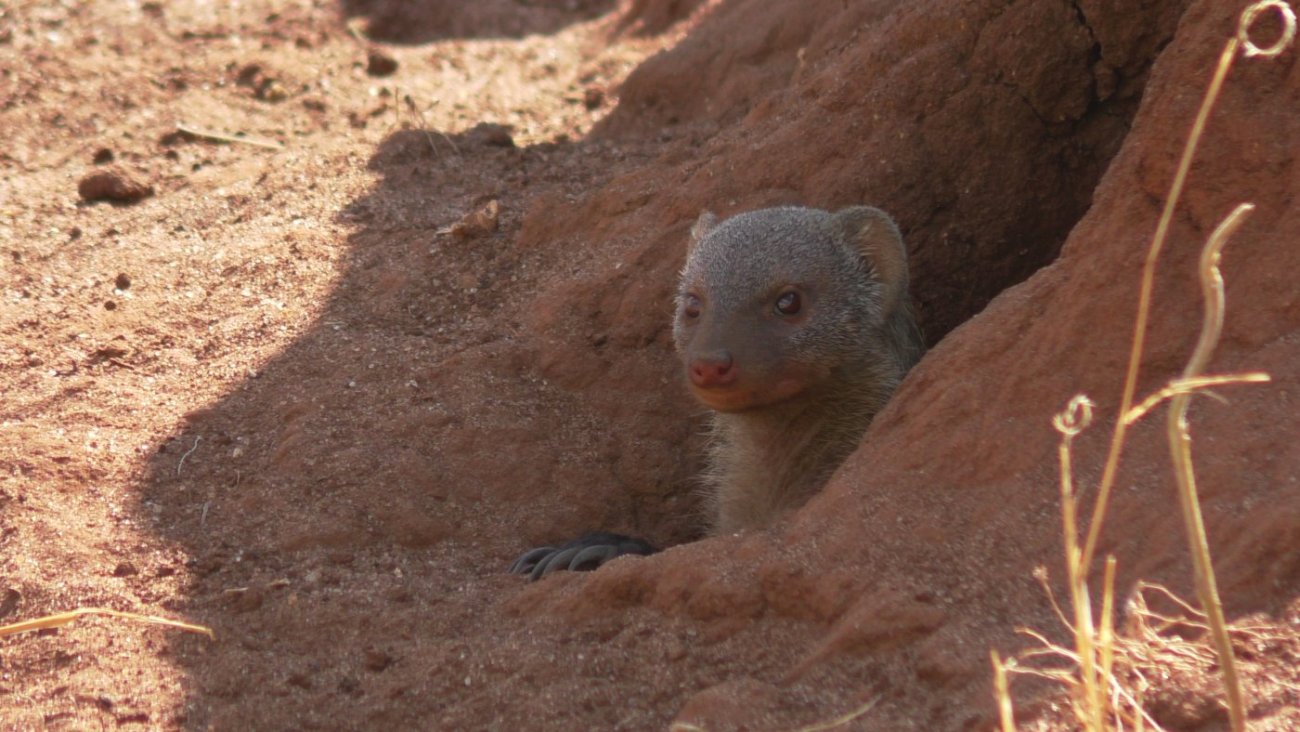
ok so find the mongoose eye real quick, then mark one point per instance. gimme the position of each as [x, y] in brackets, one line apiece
[691, 306]
[789, 303]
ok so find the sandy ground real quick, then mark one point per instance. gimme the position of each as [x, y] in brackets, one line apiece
[351, 329]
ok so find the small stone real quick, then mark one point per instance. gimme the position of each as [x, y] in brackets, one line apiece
[113, 184]
[245, 599]
[123, 281]
[377, 660]
[272, 91]
[491, 134]
[593, 97]
[249, 75]
[9, 603]
[300, 680]
[125, 569]
[380, 62]
[476, 223]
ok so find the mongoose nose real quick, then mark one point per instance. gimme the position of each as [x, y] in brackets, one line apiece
[713, 369]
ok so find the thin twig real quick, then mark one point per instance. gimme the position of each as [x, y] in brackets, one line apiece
[842, 719]
[1002, 690]
[424, 126]
[1188, 386]
[62, 619]
[223, 137]
[180, 464]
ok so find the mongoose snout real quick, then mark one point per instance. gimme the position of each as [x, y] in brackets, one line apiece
[712, 370]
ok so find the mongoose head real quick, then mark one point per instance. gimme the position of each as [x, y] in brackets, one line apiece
[786, 303]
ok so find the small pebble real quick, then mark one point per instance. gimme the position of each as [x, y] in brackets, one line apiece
[113, 184]
[491, 134]
[380, 63]
[376, 660]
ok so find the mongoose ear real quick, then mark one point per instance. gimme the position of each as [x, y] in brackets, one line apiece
[870, 232]
[703, 225]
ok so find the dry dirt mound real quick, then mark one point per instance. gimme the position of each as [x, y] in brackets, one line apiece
[281, 397]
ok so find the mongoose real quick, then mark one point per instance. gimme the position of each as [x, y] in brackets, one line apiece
[795, 326]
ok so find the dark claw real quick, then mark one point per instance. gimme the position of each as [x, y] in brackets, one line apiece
[524, 564]
[580, 555]
[593, 555]
[558, 560]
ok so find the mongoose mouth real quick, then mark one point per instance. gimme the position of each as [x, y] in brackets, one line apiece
[739, 397]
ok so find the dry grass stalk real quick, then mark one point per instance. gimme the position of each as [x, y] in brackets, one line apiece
[1002, 690]
[829, 724]
[841, 720]
[61, 619]
[226, 137]
[1180, 448]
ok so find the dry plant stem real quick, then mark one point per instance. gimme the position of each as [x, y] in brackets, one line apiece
[1144, 297]
[842, 719]
[1068, 677]
[223, 137]
[62, 619]
[1090, 706]
[1002, 691]
[1090, 709]
[1187, 386]
[1180, 447]
[1106, 636]
[818, 727]
[839, 721]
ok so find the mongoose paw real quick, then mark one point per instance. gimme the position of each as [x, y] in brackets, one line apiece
[580, 555]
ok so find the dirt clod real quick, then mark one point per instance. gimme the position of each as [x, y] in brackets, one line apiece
[491, 134]
[125, 569]
[113, 184]
[476, 223]
[377, 660]
[9, 602]
[380, 62]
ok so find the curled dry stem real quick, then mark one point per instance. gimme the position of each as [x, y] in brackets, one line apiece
[1072, 421]
[1180, 447]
